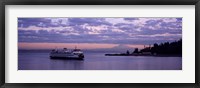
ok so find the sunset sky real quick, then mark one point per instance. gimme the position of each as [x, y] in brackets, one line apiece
[93, 33]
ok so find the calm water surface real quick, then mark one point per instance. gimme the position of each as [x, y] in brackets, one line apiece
[32, 60]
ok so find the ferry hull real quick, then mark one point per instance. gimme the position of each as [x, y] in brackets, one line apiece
[70, 58]
[80, 57]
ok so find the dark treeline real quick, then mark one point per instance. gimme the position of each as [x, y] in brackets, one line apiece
[167, 48]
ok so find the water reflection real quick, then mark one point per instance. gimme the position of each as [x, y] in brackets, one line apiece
[65, 64]
[97, 61]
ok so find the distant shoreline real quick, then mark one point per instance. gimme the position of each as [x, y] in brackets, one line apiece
[160, 55]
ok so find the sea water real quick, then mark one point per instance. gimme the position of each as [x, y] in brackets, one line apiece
[39, 60]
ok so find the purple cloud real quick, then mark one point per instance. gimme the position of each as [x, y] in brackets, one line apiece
[99, 30]
[90, 21]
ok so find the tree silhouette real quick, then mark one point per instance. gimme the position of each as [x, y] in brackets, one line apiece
[165, 48]
[136, 50]
[127, 52]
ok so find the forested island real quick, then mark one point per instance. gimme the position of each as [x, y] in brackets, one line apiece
[162, 49]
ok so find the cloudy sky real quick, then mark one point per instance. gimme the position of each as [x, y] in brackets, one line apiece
[96, 32]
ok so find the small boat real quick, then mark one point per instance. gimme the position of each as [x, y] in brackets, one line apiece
[67, 54]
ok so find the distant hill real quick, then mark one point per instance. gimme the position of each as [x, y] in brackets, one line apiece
[121, 46]
[117, 49]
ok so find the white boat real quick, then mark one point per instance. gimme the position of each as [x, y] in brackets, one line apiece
[67, 54]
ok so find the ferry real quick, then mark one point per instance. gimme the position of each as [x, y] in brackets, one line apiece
[67, 54]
